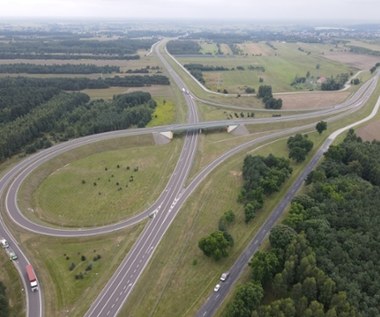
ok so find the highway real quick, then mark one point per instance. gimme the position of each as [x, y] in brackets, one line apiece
[214, 301]
[116, 291]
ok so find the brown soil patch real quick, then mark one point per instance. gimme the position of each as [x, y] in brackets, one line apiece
[370, 132]
[255, 49]
[311, 100]
[359, 61]
[226, 49]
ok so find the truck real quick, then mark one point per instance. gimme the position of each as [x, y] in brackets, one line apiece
[32, 278]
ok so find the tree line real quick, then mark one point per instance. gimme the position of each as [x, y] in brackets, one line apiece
[57, 69]
[183, 47]
[75, 84]
[324, 258]
[75, 46]
[335, 83]
[70, 115]
[265, 93]
[262, 176]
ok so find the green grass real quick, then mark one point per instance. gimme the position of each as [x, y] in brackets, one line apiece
[163, 114]
[63, 191]
[65, 295]
[10, 278]
[208, 47]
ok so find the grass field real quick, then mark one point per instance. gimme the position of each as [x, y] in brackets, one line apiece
[85, 187]
[163, 114]
[208, 48]
[64, 294]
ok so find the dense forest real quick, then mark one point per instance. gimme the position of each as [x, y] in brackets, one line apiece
[324, 258]
[74, 46]
[69, 115]
[183, 47]
[76, 84]
[57, 69]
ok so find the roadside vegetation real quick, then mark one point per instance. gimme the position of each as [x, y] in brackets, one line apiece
[70, 289]
[318, 255]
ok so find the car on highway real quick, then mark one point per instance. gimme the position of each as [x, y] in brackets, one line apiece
[4, 243]
[217, 287]
[224, 276]
[12, 255]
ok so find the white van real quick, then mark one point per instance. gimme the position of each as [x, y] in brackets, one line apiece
[4, 243]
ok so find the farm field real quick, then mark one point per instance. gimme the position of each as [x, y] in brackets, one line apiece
[370, 132]
[286, 62]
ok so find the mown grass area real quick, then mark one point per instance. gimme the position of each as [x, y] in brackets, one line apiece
[14, 287]
[100, 183]
[280, 68]
[163, 114]
[64, 294]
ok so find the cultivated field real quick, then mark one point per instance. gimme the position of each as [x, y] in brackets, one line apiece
[359, 61]
[280, 69]
[370, 132]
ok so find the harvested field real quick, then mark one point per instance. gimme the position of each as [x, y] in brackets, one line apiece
[359, 61]
[251, 48]
[370, 132]
[226, 49]
[108, 93]
[311, 100]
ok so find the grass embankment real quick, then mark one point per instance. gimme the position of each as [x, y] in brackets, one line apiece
[14, 288]
[64, 293]
[100, 183]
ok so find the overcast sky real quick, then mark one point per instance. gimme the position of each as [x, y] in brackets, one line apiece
[338, 10]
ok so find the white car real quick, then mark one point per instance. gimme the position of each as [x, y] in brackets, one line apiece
[4, 243]
[224, 276]
[216, 288]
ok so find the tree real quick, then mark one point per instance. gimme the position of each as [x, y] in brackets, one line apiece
[216, 245]
[281, 235]
[299, 145]
[321, 126]
[264, 265]
[247, 298]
